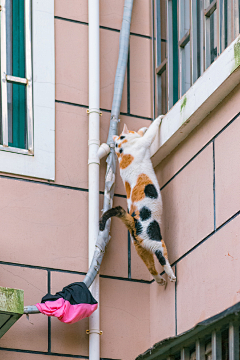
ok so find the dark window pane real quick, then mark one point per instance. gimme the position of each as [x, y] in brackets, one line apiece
[18, 115]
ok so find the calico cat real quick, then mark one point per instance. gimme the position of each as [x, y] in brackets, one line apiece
[143, 198]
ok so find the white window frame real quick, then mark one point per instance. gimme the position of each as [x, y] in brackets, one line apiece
[40, 161]
[218, 80]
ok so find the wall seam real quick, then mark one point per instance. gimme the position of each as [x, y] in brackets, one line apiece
[214, 188]
[103, 27]
[203, 148]
[106, 110]
[54, 185]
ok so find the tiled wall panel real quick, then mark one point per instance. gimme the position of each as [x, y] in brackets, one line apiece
[26, 334]
[208, 278]
[162, 311]
[227, 155]
[125, 323]
[188, 206]
[43, 225]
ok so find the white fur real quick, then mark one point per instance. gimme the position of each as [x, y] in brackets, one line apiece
[139, 147]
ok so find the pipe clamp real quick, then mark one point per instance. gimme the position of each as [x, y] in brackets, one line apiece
[93, 110]
[94, 331]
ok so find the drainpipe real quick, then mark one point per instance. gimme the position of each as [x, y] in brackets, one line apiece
[93, 165]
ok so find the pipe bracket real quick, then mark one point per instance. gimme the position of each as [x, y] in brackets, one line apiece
[93, 110]
[94, 331]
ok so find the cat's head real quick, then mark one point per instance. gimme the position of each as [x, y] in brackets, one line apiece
[126, 138]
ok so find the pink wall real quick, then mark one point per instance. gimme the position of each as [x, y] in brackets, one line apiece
[44, 237]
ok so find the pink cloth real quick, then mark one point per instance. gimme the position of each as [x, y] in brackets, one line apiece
[66, 312]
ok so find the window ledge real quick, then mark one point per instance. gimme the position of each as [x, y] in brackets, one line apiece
[203, 96]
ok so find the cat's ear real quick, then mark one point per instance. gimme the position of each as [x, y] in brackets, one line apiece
[125, 130]
[142, 131]
[114, 137]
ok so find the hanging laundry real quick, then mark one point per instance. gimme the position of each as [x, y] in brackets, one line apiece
[73, 303]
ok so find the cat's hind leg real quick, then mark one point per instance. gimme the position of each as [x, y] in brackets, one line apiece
[159, 249]
[148, 260]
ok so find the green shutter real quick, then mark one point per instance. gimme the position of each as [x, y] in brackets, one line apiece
[175, 51]
[18, 69]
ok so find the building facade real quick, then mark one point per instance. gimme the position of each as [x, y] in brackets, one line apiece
[44, 193]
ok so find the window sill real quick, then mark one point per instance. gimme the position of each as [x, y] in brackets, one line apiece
[203, 96]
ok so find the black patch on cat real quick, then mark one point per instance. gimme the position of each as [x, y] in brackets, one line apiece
[133, 214]
[160, 257]
[153, 231]
[138, 227]
[122, 137]
[121, 150]
[150, 191]
[116, 145]
[145, 213]
[117, 211]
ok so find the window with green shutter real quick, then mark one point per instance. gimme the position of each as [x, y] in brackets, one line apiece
[16, 77]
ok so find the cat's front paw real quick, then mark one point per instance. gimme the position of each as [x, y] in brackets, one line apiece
[158, 120]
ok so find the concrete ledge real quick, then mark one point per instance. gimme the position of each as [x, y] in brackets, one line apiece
[202, 98]
[11, 307]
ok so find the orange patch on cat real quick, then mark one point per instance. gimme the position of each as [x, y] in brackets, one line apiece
[132, 132]
[126, 161]
[147, 258]
[140, 132]
[118, 154]
[132, 209]
[124, 141]
[138, 190]
[128, 189]
[164, 249]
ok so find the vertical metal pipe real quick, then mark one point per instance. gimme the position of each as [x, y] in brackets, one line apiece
[93, 168]
[200, 350]
[153, 61]
[216, 346]
[233, 341]
[185, 354]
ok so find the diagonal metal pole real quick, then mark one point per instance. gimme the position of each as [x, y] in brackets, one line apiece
[103, 236]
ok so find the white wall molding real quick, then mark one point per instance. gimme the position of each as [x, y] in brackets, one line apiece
[203, 96]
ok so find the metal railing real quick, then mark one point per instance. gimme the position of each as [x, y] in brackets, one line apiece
[216, 338]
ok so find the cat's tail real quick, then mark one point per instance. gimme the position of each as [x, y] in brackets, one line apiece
[119, 212]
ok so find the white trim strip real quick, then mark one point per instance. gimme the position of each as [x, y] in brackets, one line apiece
[3, 75]
[28, 57]
[204, 95]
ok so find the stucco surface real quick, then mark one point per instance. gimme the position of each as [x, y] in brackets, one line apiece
[44, 225]
[125, 310]
[208, 128]
[111, 12]
[227, 155]
[162, 311]
[115, 261]
[208, 278]
[188, 206]
[9, 355]
[140, 72]
[26, 334]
